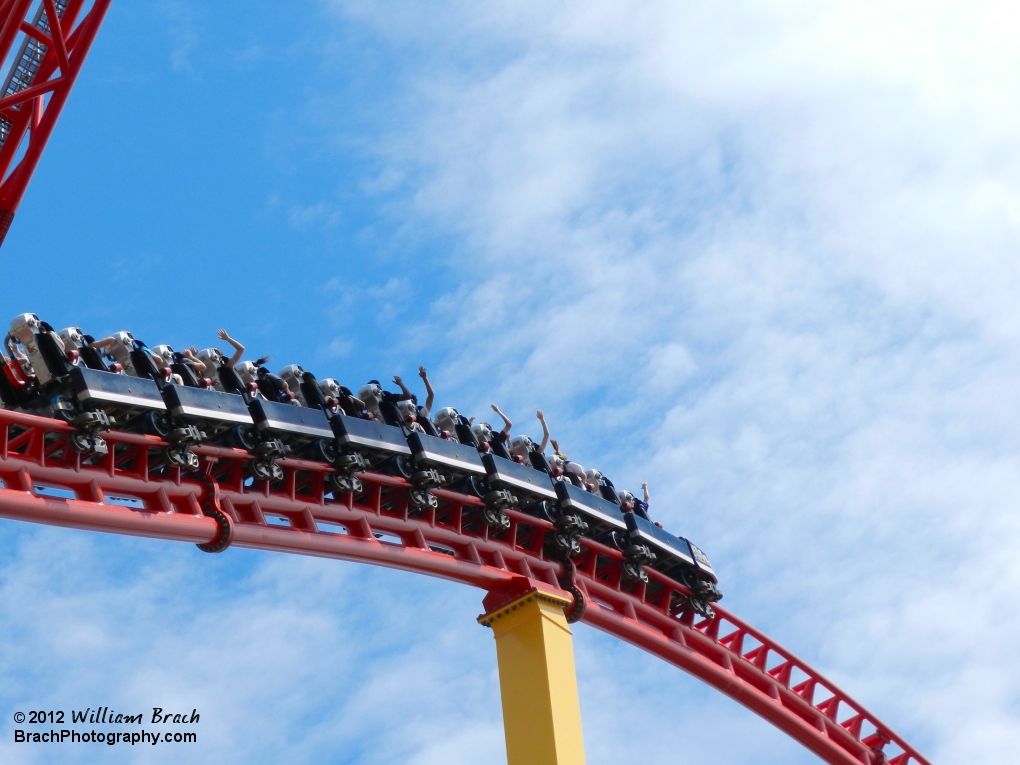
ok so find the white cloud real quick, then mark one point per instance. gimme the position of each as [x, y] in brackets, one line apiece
[761, 255]
[183, 31]
[810, 214]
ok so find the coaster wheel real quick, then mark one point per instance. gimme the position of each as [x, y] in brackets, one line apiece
[323, 450]
[243, 437]
[402, 466]
[156, 424]
[474, 485]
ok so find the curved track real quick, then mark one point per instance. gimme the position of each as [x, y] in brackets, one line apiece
[129, 491]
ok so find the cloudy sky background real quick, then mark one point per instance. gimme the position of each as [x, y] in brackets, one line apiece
[761, 255]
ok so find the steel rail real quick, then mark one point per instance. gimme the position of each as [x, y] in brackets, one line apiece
[132, 491]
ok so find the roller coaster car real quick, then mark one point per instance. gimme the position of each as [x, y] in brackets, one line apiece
[460, 463]
[305, 431]
[221, 417]
[606, 520]
[383, 446]
[126, 398]
[579, 512]
[678, 559]
[515, 484]
[90, 399]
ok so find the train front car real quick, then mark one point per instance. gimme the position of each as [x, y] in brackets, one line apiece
[60, 375]
[680, 560]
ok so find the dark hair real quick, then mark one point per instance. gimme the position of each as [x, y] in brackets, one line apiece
[263, 360]
[375, 382]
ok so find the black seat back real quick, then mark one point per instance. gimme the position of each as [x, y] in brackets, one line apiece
[55, 359]
[232, 382]
[539, 462]
[93, 359]
[498, 447]
[146, 367]
[390, 413]
[608, 491]
[464, 433]
[313, 393]
[183, 369]
[426, 423]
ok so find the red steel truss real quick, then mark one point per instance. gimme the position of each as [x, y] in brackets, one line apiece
[44, 46]
[132, 491]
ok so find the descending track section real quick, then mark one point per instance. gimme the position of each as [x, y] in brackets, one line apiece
[44, 46]
[134, 490]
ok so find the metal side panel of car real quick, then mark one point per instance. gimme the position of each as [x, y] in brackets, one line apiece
[446, 453]
[580, 501]
[290, 419]
[503, 473]
[95, 387]
[661, 541]
[183, 401]
[369, 434]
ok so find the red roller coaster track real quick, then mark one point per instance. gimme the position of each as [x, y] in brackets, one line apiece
[51, 48]
[220, 508]
[45, 49]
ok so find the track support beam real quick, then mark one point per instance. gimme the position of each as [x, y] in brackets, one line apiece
[537, 680]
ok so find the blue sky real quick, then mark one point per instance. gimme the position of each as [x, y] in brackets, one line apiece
[759, 254]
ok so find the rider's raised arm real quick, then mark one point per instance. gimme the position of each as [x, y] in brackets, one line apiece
[238, 348]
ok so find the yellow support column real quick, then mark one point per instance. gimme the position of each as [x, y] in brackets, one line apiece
[537, 680]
